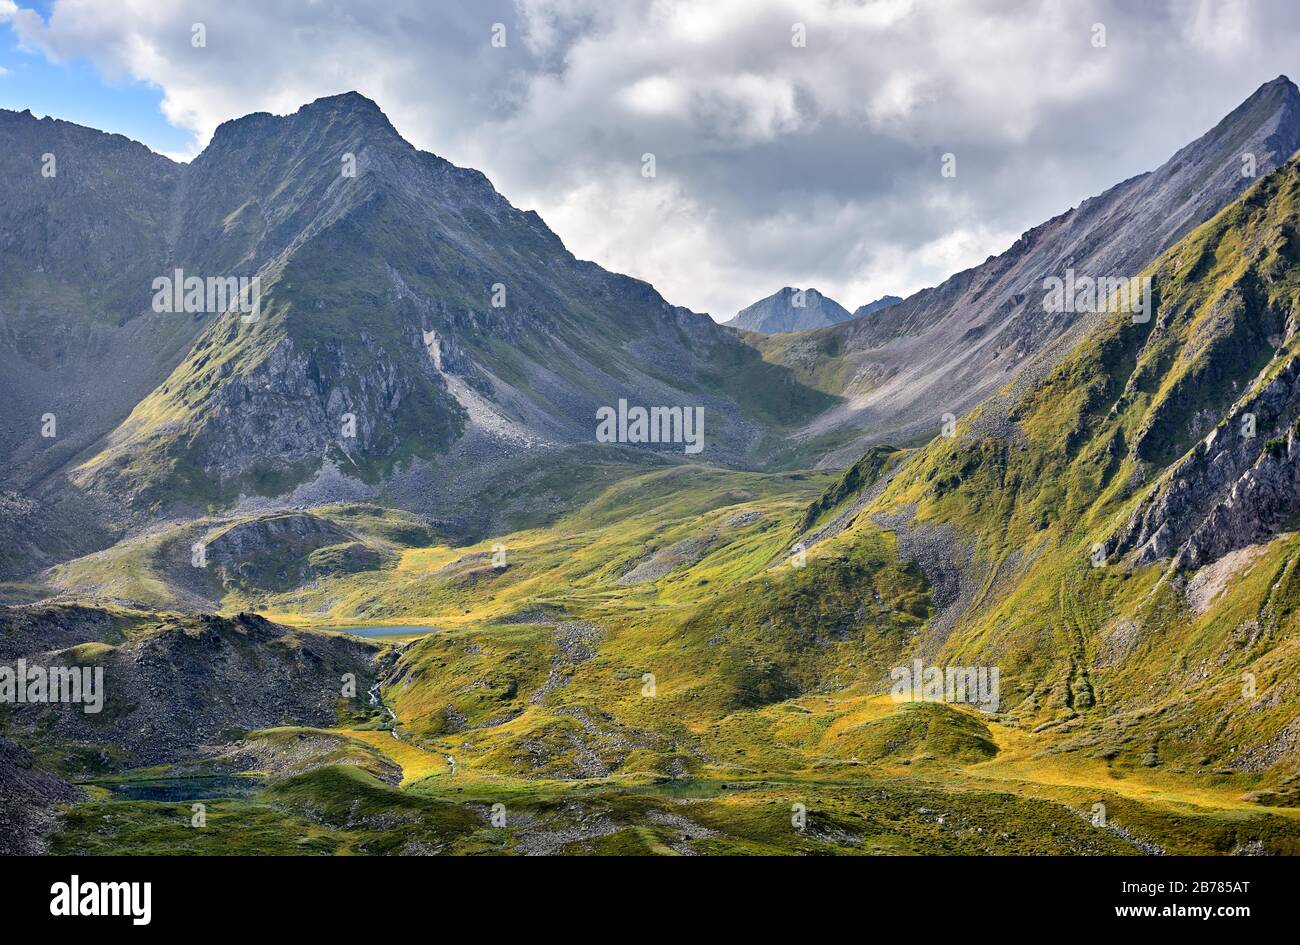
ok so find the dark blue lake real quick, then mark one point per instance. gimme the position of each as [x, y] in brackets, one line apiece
[183, 789]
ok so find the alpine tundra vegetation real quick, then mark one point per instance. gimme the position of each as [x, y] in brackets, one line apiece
[369, 519]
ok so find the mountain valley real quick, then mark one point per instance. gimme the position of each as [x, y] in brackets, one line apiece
[590, 648]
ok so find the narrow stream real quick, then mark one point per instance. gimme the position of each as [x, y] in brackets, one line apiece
[392, 716]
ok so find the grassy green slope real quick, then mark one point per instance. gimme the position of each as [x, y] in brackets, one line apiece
[1119, 658]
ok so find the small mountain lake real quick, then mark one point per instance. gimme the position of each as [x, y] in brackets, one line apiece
[411, 631]
[182, 789]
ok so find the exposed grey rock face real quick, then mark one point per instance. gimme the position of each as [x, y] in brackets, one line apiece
[945, 349]
[1260, 504]
[790, 310]
[245, 541]
[286, 410]
[1229, 492]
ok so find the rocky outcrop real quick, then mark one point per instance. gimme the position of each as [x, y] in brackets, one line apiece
[288, 533]
[38, 628]
[661, 563]
[297, 406]
[284, 753]
[1230, 491]
[202, 681]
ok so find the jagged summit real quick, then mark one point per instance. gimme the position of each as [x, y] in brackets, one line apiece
[347, 106]
[350, 99]
[330, 116]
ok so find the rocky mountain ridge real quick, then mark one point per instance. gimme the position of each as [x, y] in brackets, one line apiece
[945, 349]
[412, 325]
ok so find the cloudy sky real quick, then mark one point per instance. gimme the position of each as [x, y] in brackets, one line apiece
[776, 163]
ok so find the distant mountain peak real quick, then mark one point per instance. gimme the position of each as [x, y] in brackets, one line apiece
[881, 303]
[790, 309]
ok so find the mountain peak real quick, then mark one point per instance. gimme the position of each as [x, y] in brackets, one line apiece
[349, 110]
[1282, 81]
[1276, 95]
[345, 101]
[790, 309]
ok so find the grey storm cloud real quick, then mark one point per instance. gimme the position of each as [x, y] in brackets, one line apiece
[776, 164]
